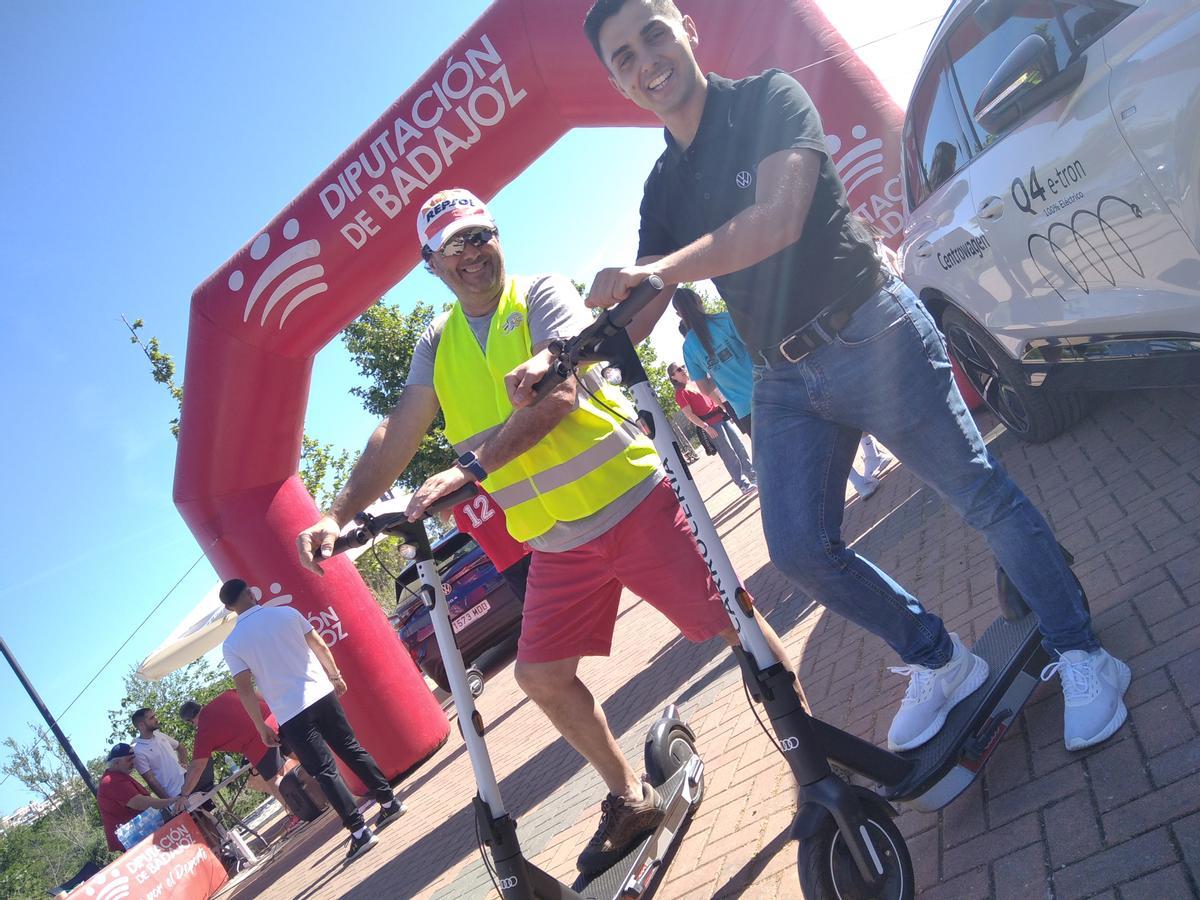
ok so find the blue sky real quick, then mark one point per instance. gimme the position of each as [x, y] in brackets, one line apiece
[143, 144]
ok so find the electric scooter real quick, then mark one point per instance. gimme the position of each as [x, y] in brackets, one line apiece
[672, 764]
[848, 845]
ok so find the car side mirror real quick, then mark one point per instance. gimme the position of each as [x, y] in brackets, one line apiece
[1028, 78]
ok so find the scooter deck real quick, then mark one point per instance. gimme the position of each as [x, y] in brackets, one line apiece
[635, 874]
[946, 766]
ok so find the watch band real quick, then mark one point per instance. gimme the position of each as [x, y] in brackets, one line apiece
[469, 462]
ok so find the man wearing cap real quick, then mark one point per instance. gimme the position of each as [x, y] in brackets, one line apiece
[576, 479]
[276, 648]
[714, 421]
[120, 797]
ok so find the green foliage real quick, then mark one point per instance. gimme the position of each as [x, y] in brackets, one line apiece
[162, 367]
[196, 681]
[51, 849]
[381, 343]
[45, 853]
[324, 469]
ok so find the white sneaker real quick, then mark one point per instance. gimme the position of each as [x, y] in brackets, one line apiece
[1094, 686]
[883, 461]
[932, 693]
[869, 487]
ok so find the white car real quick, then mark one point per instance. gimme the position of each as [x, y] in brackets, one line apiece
[1052, 187]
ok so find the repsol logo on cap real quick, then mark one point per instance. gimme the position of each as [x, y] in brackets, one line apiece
[438, 208]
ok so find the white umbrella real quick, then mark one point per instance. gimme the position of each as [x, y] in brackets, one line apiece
[209, 623]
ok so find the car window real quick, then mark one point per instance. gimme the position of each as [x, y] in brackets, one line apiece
[935, 146]
[984, 39]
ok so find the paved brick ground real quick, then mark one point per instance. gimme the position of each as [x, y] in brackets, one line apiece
[1119, 821]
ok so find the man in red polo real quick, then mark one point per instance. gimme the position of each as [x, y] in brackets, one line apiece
[223, 725]
[120, 797]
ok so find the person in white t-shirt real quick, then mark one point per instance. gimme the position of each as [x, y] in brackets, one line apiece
[158, 757]
[298, 678]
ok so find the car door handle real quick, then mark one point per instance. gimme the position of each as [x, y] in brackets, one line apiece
[991, 209]
[923, 250]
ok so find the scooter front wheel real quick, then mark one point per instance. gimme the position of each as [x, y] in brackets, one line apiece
[827, 871]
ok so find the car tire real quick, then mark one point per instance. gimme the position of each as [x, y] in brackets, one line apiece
[1032, 414]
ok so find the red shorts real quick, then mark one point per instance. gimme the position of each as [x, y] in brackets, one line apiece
[572, 598]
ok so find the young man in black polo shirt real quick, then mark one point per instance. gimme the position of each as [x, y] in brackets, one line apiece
[747, 195]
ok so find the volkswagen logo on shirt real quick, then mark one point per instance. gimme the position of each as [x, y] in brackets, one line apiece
[743, 179]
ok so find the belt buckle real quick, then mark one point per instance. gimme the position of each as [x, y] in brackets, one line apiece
[787, 340]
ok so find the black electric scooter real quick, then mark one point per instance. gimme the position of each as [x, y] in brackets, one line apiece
[672, 764]
[848, 844]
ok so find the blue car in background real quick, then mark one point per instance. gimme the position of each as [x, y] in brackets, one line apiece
[484, 610]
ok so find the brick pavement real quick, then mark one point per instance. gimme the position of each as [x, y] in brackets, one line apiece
[1119, 821]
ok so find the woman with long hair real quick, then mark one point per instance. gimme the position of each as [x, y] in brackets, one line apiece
[717, 360]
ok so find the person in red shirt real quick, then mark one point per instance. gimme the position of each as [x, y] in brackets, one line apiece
[120, 797]
[223, 725]
[715, 423]
[482, 518]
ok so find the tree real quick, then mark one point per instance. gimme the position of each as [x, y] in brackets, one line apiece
[44, 853]
[197, 681]
[381, 343]
[323, 467]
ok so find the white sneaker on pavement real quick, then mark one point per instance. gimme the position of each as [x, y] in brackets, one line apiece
[932, 693]
[884, 460]
[868, 488]
[1094, 686]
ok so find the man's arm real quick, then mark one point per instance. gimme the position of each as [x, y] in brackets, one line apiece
[521, 431]
[244, 683]
[709, 389]
[786, 180]
[387, 454]
[152, 783]
[180, 751]
[325, 658]
[192, 777]
[141, 802]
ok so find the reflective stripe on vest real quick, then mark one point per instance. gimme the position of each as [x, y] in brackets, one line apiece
[588, 460]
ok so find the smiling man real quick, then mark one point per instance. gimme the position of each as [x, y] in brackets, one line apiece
[746, 194]
[576, 479]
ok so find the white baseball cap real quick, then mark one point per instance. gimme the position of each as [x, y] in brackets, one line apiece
[448, 212]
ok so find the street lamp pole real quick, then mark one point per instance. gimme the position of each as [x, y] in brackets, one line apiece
[37, 701]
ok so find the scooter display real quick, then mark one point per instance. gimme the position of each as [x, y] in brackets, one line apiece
[672, 764]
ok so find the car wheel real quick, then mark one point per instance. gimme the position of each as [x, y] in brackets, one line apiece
[1032, 414]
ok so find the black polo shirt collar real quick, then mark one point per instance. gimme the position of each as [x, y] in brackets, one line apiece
[716, 119]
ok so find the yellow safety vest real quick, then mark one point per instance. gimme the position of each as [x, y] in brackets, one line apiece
[585, 463]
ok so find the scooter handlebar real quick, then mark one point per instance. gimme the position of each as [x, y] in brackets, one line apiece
[579, 348]
[372, 526]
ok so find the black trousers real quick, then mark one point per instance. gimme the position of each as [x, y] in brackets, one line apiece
[316, 731]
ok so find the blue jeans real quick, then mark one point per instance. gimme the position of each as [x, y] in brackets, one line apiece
[733, 453]
[887, 373]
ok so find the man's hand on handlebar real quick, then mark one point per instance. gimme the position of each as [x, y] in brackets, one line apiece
[611, 286]
[269, 736]
[318, 537]
[520, 381]
[434, 488]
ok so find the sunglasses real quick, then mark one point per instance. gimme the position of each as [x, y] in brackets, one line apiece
[476, 238]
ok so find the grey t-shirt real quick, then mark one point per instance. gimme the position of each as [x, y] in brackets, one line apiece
[554, 310]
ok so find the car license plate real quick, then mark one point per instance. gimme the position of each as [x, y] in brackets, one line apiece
[475, 612]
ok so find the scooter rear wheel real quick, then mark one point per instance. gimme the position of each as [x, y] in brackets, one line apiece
[827, 871]
[665, 756]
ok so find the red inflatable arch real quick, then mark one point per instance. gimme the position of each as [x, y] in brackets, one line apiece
[500, 96]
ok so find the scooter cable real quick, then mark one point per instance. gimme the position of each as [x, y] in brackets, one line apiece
[487, 862]
[754, 709]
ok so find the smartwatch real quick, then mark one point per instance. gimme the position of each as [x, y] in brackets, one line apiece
[469, 462]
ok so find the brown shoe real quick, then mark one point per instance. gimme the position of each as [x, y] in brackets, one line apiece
[622, 824]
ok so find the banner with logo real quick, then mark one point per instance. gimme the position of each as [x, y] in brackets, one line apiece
[173, 862]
